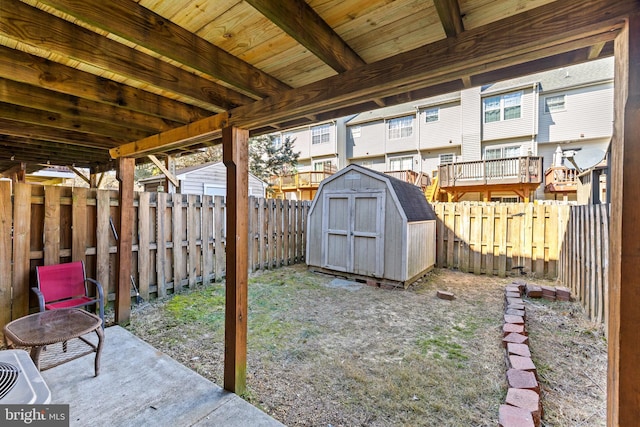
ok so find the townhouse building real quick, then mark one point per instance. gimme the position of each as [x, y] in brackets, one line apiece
[547, 118]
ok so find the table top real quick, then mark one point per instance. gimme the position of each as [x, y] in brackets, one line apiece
[51, 326]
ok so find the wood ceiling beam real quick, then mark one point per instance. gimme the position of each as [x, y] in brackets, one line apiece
[33, 155]
[26, 130]
[559, 27]
[35, 71]
[304, 25]
[450, 16]
[136, 23]
[80, 109]
[59, 121]
[32, 26]
[594, 51]
[191, 134]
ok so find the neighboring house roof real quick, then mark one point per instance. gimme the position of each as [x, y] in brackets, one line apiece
[410, 197]
[562, 78]
[402, 109]
[54, 172]
[181, 173]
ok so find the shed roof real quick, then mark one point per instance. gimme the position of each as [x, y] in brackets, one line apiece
[410, 198]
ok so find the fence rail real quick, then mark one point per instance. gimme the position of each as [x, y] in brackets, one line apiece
[498, 239]
[584, 259]
[178, 240]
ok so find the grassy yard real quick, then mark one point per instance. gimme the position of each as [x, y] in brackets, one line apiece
[329, 352]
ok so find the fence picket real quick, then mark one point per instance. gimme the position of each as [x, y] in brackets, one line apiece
[552, 241]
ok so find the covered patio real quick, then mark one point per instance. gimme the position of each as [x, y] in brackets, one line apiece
[145, 387]
[106, 85]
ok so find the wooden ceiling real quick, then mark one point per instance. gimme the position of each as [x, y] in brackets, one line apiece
[81, 77]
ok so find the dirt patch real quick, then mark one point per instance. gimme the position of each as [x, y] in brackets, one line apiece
[323, 352]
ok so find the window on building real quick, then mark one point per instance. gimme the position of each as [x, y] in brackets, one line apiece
[447, 158]
[554, 103]
[401, 163]
[321, 134]
[502, 107]
[356, 131]
[402, 127]
[324, 166]
[501, 152]
[432, 114]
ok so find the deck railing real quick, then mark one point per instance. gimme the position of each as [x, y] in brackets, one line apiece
[560, 179]
[300, 180]
[420, 179]
[515, 170]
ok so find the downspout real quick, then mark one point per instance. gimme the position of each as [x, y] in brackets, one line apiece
[534, 124]
[418, 138]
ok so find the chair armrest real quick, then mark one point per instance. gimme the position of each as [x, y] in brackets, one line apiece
[40, 297]
[100, 298]
[98, 288]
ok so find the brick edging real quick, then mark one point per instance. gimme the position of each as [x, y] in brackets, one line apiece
[522, 407]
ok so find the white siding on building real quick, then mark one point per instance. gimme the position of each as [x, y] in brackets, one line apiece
[445, 132]
[471, 124]
[431, 158]
[523, 126]
[588, 113]
[371, 141]
[405, 142]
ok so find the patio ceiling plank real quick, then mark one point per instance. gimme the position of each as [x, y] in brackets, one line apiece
[24, 95]
[19, 21]
[554, 29]
[76, 123]
[35, 71]
[302, 23]
[136, 23]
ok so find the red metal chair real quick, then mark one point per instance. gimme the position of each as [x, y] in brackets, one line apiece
[65, 286]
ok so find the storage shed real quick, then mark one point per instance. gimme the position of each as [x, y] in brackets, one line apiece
[365, 224]
[209, 179]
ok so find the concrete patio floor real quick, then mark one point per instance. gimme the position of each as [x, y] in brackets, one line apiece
[141, 386]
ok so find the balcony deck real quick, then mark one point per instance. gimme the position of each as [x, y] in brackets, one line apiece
[560, 179]
[520, 175]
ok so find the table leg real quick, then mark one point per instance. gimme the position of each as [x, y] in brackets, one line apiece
[35, 356]
[100, 334]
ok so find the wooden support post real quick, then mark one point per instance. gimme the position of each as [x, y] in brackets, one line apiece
[235, 156]
[623, 387]
[170, 184]
[125, 240]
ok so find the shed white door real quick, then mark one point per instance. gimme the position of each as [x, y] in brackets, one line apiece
[353, 233]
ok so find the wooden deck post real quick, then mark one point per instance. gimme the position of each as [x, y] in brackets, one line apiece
[623, 388]
[123, 287]
[235, 156]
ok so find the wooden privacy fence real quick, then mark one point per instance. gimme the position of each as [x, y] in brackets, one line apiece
[178, 240]
[584, 259]
[499, 239]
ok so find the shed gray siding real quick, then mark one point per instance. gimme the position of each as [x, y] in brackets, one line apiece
[405, 213]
